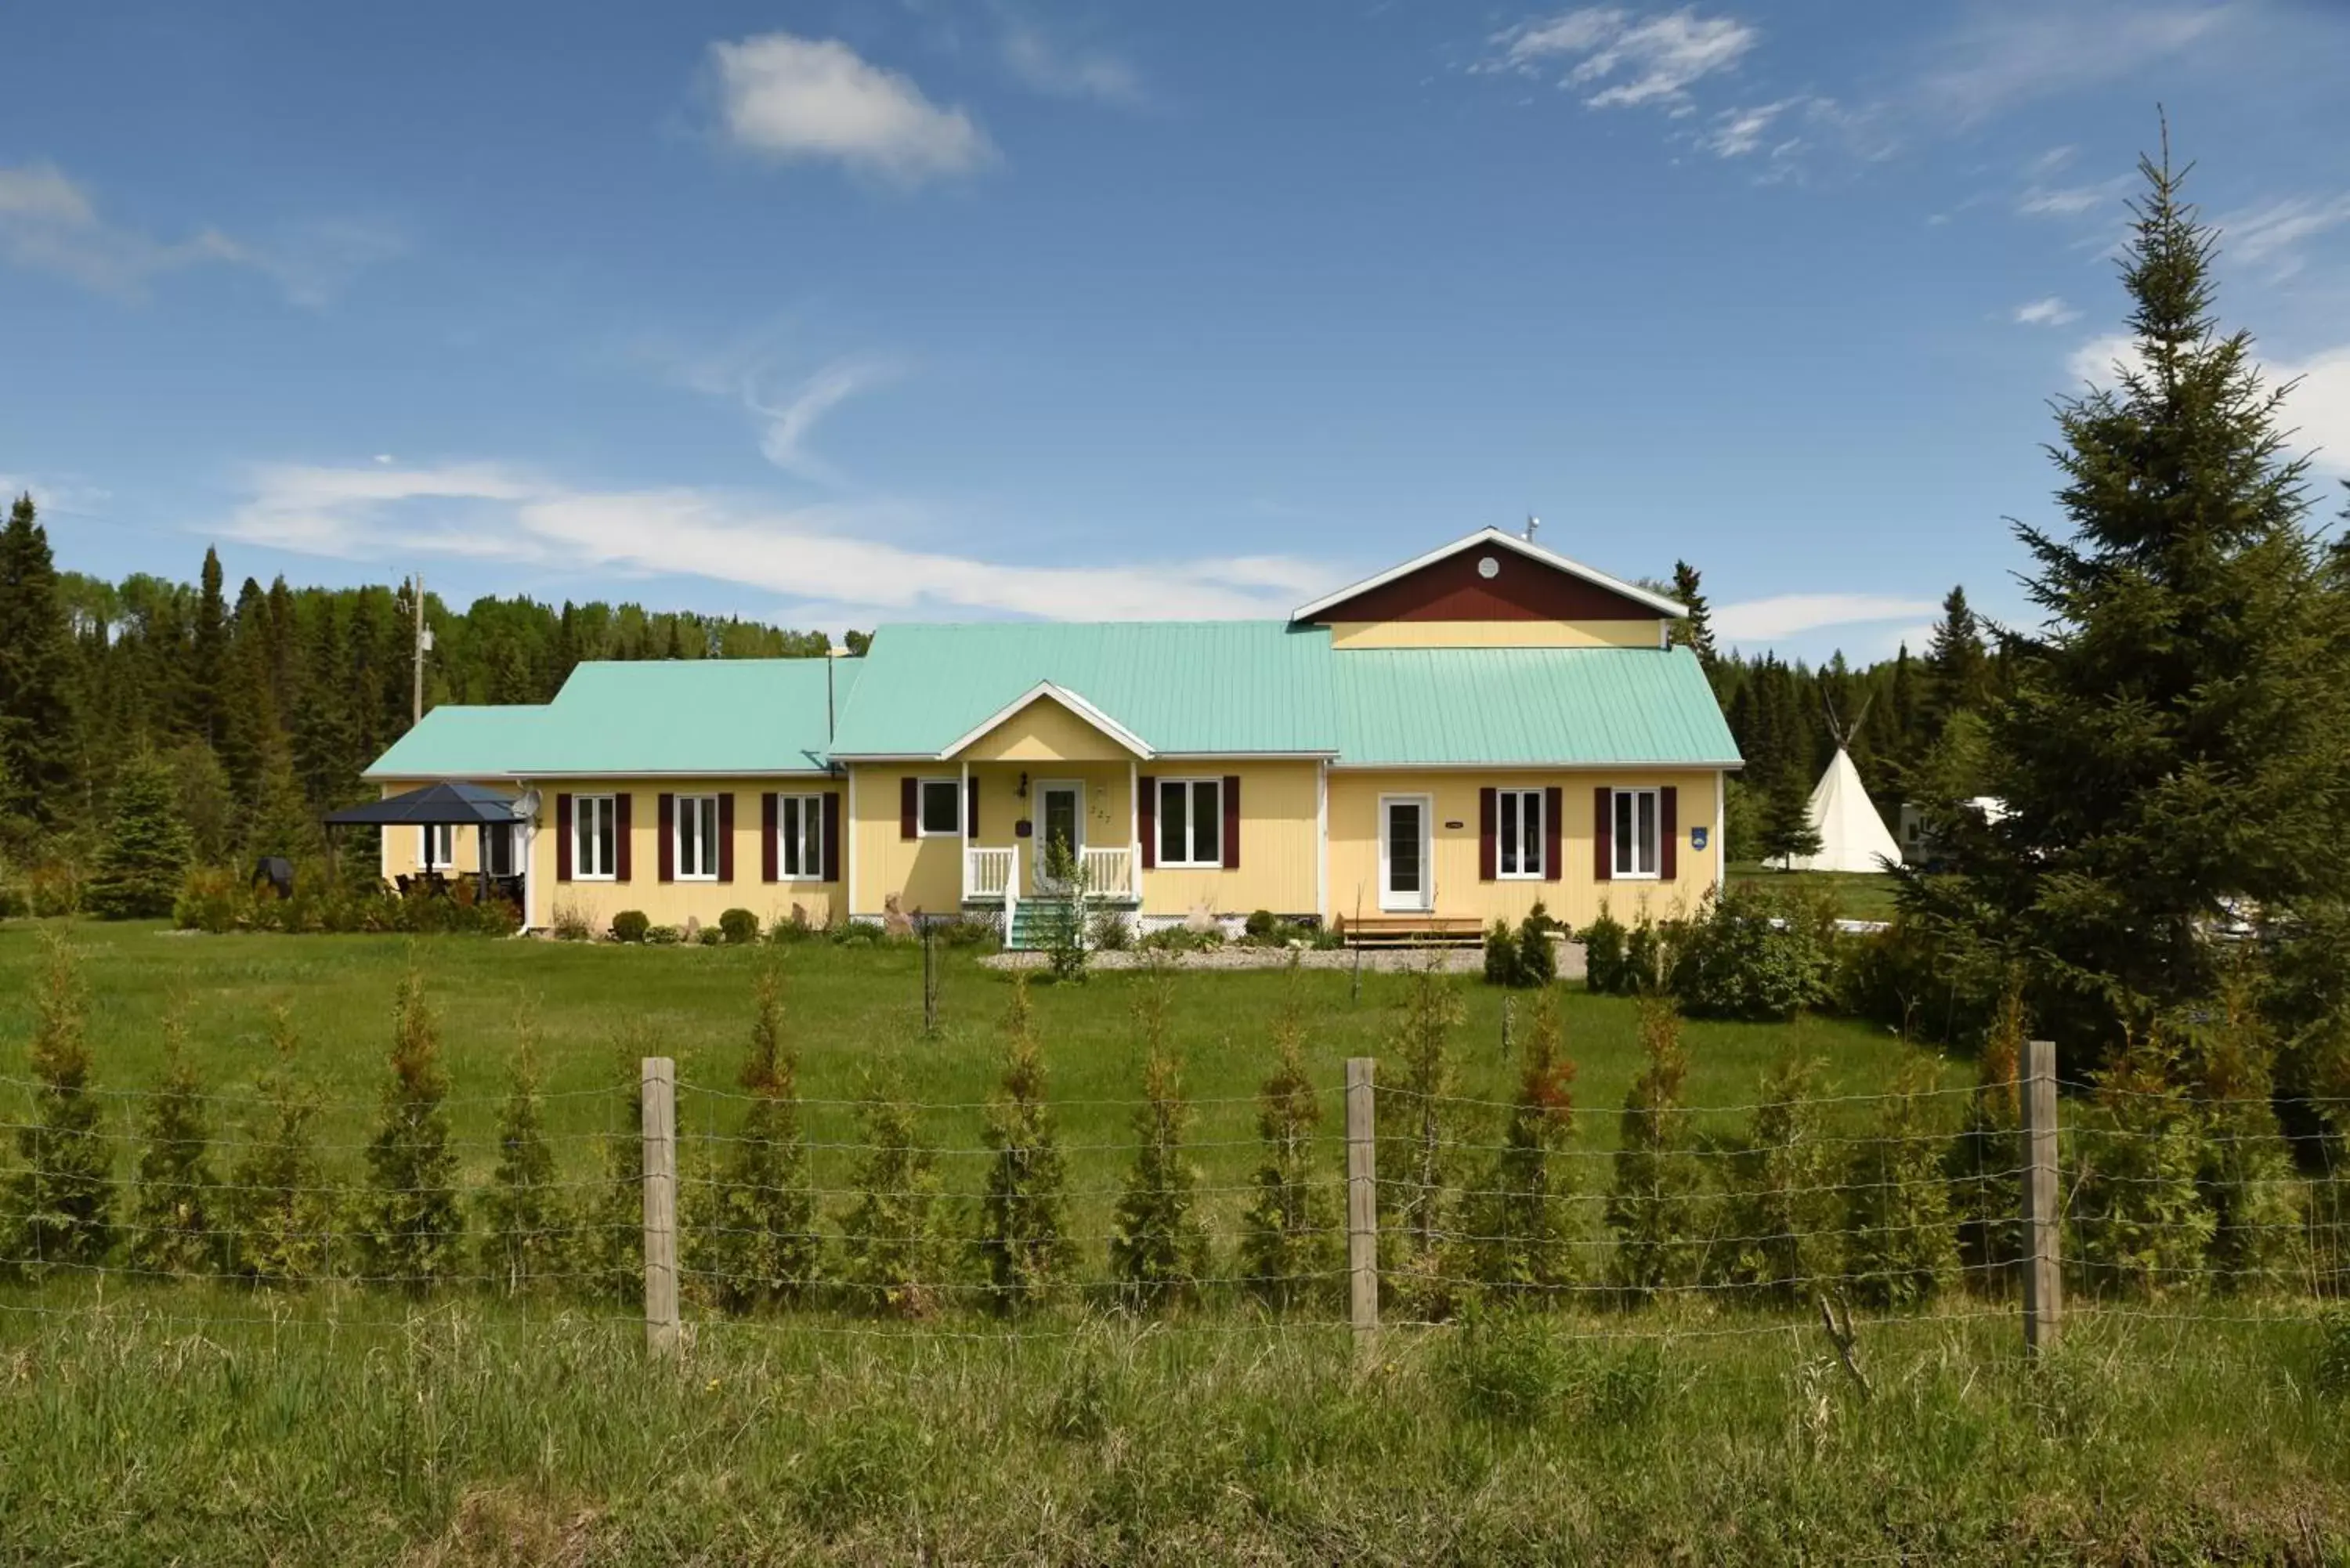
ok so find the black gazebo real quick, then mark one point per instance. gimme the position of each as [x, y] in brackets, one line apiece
[445, 806]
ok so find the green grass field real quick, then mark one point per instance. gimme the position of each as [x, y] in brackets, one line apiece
[142, 1423]
[1858, 896]
[598, 1008]
[467, 1435]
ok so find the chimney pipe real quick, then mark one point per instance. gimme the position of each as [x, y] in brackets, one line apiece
[1533, 523]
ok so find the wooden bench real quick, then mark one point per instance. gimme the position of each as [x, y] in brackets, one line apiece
[1410, 931]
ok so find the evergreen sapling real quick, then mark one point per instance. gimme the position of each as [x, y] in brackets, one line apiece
[173, 1228]
[1023, 1243]
[1157, 1250]
[60, 1205]
[411, 1229]
[523, 1227]
[1653, 1205]
[767, 1206]
[1289, 1232]
[1524, 1223]
[281, 1214]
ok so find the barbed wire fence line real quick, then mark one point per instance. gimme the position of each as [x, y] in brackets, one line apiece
[1371, 1207]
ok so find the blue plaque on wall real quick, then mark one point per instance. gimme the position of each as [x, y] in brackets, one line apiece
[1697, 838]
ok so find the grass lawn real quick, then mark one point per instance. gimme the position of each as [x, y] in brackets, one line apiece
[196, 1423]
[599, 1007]
[1859, 896]
[463, 1435]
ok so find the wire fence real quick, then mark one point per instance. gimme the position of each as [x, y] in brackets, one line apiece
[1312, 1206]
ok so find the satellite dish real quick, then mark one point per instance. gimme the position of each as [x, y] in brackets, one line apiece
[526, 804]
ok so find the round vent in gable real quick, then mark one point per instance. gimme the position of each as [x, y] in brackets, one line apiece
[1489, 567]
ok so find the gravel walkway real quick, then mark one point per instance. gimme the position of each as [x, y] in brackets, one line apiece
[1452, 960]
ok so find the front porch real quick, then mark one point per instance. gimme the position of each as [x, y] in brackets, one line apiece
[996, 874]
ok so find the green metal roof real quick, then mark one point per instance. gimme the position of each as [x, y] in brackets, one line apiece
[667, 716]
[1181, 686]
[1571, 706]
[456, 742]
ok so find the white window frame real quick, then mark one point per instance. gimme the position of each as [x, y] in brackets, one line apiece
[592, 815]
[1189, 786]
[922, 829]
[1624, 807]
[1533, 843]
[440, 835]
[706, 807]
[809, 839]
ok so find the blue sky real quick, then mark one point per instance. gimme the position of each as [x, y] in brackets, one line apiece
[892, 310]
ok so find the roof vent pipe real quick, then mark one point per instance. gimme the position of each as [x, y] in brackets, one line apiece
[1532, 524]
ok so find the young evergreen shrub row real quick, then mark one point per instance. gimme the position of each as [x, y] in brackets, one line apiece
[2177, 1175]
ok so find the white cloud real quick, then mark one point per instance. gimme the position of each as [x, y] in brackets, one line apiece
[2011, 51]
[2072, 201]
[795, 98]
[1068, 72]
[2049, 312]
[1624, 61]
[2272, 236]
[788, 425]
[1785, 615]
[826, 554]
[50, 224]
[1739, 132]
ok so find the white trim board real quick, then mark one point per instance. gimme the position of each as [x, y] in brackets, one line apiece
[1041, 691]
[1489, 537]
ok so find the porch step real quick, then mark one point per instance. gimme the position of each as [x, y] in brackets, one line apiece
[1031, 919]
[1410, 931]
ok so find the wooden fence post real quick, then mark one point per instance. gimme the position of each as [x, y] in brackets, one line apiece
[2043, 1282]
[1362, 1203]
[659, 1094]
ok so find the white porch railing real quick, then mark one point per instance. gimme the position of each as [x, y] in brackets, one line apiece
[1108, 873]
[989, 873]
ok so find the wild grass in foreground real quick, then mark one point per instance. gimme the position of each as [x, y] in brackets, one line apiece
[214, 1426]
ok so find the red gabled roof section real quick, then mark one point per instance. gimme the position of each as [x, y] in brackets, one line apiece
[1525, 582]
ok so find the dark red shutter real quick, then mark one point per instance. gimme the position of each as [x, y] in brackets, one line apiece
[1554, 833]
[624, 857]
[726, 836]
[970, 812]
[1489, 826]
[665, 854]
[832, 838]
[909, 792]
[563, 838]
[1668, 827]
[769, 819]
[1146, 819]
[1232, 822]
[1603, 822]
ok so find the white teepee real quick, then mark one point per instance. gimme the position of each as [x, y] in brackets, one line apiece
[1852, 836]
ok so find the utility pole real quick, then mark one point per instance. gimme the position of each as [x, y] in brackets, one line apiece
[416, 698]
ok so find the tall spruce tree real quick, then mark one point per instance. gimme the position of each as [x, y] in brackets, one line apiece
[147, 846]
[2177, 742]
[206, 673]
[37, 741]
[1958, 671]
[1696, 632]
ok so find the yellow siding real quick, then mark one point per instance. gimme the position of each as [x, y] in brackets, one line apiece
[1045, 730]
[672, 903]
[1575, 897]
[1496, 633]
[403, 852]
[1279, 853]
[925, 873]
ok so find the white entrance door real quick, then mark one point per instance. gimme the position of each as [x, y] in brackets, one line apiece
[1060, 830]
[1407, 882]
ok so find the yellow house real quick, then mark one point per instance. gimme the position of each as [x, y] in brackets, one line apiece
[1483, 728]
